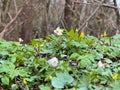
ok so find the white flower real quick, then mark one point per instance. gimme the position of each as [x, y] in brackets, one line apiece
[53, 62]
[20, 40]
[100, 64]
[58, 31]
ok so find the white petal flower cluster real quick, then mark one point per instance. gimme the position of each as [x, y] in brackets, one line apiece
[53, 62]
[58, 31]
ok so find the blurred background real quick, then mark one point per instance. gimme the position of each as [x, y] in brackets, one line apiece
[28, 19]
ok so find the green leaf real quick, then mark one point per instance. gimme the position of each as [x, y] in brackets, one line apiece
[75, 43]
[85, 62]
[3, 53]
[13, 59]
[84, 83]
[82, 88]
[115, 85]
[42, 87]
[74, 56]
[5, 80]
[58, 83]
[23, 73]
[45, 51]
[71, 34]
[108, 61]
[61, 80]
[13, 73]
[7, 67]
[14, 87]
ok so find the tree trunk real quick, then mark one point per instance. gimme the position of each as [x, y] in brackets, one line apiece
[117, 17]
[27, 18]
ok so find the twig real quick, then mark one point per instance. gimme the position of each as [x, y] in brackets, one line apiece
[10, 15]
[103, 5]
[12, 19]
[7, 33]
[15, 5]
[89, 17]
[110, 6]
[7, 26]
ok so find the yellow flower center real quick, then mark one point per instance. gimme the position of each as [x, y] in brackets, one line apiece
[57, 31]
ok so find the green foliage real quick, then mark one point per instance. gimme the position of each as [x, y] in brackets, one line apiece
[5, 80]
[84, 63]
[14, 87]
[42, 87]
[61, 80]
[115, 85]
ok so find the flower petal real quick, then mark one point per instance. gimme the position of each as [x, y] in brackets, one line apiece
[58, 31]
[100, 64]
[53, 62]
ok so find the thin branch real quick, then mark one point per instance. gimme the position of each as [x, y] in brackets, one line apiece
[8, 25]
[13, 19]
[7, 33]
[110, 6]
[89, 17]
[15, 5]
[10, 16]
[103, 5]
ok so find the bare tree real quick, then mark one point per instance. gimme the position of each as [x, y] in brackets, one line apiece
[8, 23]
[92, 16]
[28, 19]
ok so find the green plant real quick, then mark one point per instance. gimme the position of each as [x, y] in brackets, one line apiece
[83, 62]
